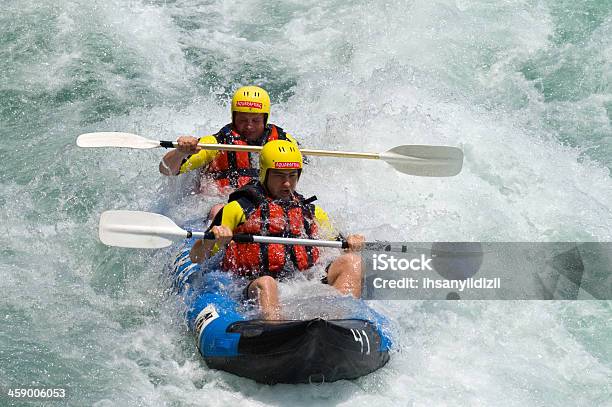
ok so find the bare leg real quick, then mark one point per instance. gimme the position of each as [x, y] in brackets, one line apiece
[265, 289]
[345, 274]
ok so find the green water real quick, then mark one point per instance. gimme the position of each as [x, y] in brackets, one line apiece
[522, 87]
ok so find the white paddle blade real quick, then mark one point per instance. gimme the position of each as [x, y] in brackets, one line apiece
[115, 139]
[425, 161]
[141, 230]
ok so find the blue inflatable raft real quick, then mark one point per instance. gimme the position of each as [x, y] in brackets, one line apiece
[296, 351]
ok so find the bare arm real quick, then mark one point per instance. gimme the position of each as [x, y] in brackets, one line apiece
[356, 243]
[171, 163]
[202, 248]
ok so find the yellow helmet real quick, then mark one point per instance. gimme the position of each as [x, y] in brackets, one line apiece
[251, 99]
[279, 154]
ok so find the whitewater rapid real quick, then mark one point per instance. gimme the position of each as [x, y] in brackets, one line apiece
[522, 87]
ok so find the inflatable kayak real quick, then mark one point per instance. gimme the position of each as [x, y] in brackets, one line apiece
[295, 351]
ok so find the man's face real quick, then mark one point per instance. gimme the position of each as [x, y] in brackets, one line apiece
[281, 183]
[249, 125]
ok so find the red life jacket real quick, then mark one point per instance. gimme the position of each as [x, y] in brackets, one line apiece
[235, 169]
[268, 217]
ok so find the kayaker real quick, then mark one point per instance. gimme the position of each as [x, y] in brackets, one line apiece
[225, 171]
[271, 206]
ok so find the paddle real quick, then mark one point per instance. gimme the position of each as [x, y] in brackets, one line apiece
[146, 230]
[425, 161]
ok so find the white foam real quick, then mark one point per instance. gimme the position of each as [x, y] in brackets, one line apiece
[362, 77]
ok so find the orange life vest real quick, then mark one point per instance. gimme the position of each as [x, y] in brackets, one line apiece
[268, 217]
[235, 169]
